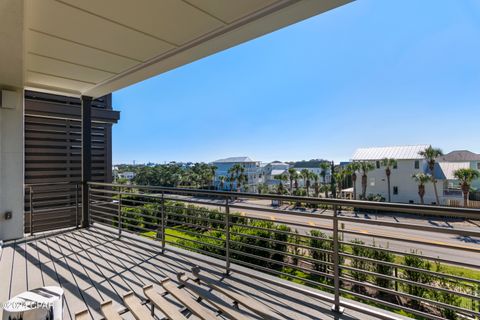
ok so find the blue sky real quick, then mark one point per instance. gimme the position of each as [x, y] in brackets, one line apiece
[370, 73]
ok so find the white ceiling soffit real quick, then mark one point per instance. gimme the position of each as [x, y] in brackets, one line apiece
[94, 47]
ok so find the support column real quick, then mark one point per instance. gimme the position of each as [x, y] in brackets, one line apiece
[12, 169]
[86, 156]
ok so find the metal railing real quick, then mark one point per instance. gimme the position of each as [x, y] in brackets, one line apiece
[50, 206]
[367, 251]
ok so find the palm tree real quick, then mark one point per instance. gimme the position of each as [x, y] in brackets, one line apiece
[292, 173]
[421, 179]
[282, 178]
[325, 166]
[305, 174]
[222, 181]
[353, 168]
[365, 167]
[237, 174]
[388, 164]
[430, 155]
[316, 186]
[213, 169]
[465, 177]
[338, 181]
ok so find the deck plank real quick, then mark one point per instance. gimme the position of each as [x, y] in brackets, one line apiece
[19, 270]
[6, 264]
[73, 296]
[93, 265]
[168, 308]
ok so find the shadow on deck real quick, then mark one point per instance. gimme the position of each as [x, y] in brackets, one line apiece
[93, 265]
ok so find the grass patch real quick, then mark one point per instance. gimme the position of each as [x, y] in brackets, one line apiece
[171, 235]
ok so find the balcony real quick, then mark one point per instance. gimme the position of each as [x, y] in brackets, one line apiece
[374, 260]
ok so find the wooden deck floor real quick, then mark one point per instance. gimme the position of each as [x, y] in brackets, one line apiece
[92, 266]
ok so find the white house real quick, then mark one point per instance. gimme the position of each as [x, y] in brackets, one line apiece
[273, 169]
[403, 187]
[460, 159]
[251, 171]
[126, 175]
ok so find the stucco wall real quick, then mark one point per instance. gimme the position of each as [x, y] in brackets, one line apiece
[11, 170]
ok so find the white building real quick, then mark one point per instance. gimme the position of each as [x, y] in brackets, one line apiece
[273, 169]
[126, 175]
[251, 171]
[460, 159]
[403, 187]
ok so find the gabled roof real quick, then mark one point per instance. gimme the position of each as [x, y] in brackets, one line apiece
[445, 170]
[276, 172]
[234, 160]
[459, 156]
[394, 152]
[278, 163]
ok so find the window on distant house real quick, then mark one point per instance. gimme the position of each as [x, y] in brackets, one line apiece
[478, 165]
[395, 165]
[395, 190]
[417, 164]
[378, 164]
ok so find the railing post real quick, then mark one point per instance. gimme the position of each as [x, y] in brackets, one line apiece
[76, 205]
[31, 210]
[336, 263]
[163, 222]
[227, 236]
[86, 116]
[119, 208]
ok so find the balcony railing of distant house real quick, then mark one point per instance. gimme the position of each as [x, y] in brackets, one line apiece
[314, 248]
[453, 193]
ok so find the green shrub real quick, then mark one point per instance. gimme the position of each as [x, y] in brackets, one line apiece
[383, 256]
[416, 276]
[360, 264]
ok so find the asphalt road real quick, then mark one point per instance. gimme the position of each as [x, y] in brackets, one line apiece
[461, 249]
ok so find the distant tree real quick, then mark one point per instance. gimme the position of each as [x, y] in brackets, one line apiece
[316, 185]
[305, 174]
[389, 164]
[325, 166]
[340, 175]
[465, 177]
[237, 174]
[263, 188]
[222, 180]
[430, 155]
[421, 179]
[353, 168]
[292, 176]
[213, 169]
[365, 167]
[281, 178]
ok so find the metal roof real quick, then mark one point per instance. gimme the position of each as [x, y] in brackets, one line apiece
[234, 160]
[276, 172]
[448, 168]
[393, 152]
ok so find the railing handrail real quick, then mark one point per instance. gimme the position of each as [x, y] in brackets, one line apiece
[363, 204]
[107, 204]
[28, 185]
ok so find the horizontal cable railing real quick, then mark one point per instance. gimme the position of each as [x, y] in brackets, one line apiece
[420, 261]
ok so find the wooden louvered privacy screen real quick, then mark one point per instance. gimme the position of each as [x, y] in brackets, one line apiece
[53, 157]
